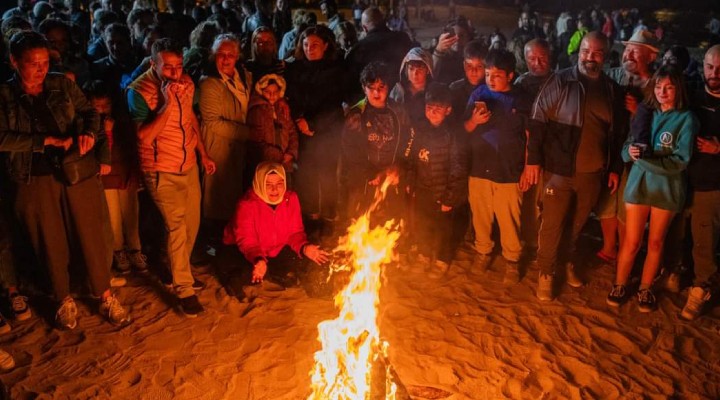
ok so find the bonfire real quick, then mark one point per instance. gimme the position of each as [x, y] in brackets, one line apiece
[351, 343]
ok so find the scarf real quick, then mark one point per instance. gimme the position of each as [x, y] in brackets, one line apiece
[261, 173]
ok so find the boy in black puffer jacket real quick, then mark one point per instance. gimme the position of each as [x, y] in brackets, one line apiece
[436, 179]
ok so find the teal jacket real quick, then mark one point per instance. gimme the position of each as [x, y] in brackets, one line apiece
[658, 179]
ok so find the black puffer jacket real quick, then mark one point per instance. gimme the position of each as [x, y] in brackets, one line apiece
[557, 119]
[435, 164]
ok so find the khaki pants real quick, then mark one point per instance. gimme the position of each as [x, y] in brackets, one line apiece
[177, 196]
[124, 217]
[502, 201]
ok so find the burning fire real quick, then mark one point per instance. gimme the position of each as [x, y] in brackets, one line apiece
[351, 342]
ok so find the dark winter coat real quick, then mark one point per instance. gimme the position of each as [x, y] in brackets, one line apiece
[557, 119]
[367, 149]
[435, 163]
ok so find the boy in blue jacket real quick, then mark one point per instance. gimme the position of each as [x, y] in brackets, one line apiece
[436, 176]
[496, 126]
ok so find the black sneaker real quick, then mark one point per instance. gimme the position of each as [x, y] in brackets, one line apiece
[617, 296]
[190, 306]
[198, 285]
[646, 300]
[20, 307]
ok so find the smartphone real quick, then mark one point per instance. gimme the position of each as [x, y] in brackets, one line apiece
[481, 106]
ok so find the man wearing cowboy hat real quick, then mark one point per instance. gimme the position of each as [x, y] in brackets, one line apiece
[639, 54]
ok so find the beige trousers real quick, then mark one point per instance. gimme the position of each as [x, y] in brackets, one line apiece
[502, 201]
[177, 196]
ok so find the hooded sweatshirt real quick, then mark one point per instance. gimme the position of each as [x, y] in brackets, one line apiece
[259, 230]
[414, 104]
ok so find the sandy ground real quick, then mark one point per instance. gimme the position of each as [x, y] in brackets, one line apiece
[466, 336]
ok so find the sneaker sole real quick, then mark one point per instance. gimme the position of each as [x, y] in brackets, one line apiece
[68, 327]
[688, 317]
[613, 304]
[188, 315]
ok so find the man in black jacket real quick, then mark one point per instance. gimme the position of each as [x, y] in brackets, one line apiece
[379, 44]
[575, 135]
[704, 173]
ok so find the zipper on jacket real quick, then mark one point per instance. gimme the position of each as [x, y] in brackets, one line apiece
[182, 128]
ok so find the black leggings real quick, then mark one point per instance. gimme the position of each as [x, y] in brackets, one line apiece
[236, 271]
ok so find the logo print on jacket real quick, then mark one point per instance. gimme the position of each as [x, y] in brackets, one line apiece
[424, 155]
[666, 139]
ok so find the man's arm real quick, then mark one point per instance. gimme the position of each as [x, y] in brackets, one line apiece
[149, 124]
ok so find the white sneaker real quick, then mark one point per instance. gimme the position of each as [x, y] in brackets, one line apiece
[20, 307]
[545, 287]
[66, 315]
[114, 311]
[572, 277]
[697, 297]
[118, 281]
[7, 362]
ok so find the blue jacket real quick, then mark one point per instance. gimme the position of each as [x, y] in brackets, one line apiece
[497, 148]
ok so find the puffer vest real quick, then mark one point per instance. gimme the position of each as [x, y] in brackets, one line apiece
[173, 149]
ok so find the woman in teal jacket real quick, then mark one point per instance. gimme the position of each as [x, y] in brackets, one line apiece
[656, 183]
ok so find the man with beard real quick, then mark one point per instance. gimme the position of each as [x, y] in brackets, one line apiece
[704, 174]
[636, 70]
[577, 129]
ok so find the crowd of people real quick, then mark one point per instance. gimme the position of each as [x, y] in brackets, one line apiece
[267, 132]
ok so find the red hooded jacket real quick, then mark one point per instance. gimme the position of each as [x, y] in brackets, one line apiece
[259, 231]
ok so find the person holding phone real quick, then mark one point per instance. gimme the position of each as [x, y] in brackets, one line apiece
[656, 184]
[496, 123]
[160, 102]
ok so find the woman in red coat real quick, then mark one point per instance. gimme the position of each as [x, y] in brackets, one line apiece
[266, 238]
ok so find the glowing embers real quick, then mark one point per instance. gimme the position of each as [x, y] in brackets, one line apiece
[351, 343]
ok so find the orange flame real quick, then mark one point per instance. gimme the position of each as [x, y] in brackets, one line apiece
[352, 341]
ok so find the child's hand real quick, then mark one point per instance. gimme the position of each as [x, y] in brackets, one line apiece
[259, 270]
[480, 117]
[634, 152]
[105, 169]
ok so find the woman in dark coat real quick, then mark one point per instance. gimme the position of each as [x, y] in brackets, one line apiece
[316, 90]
